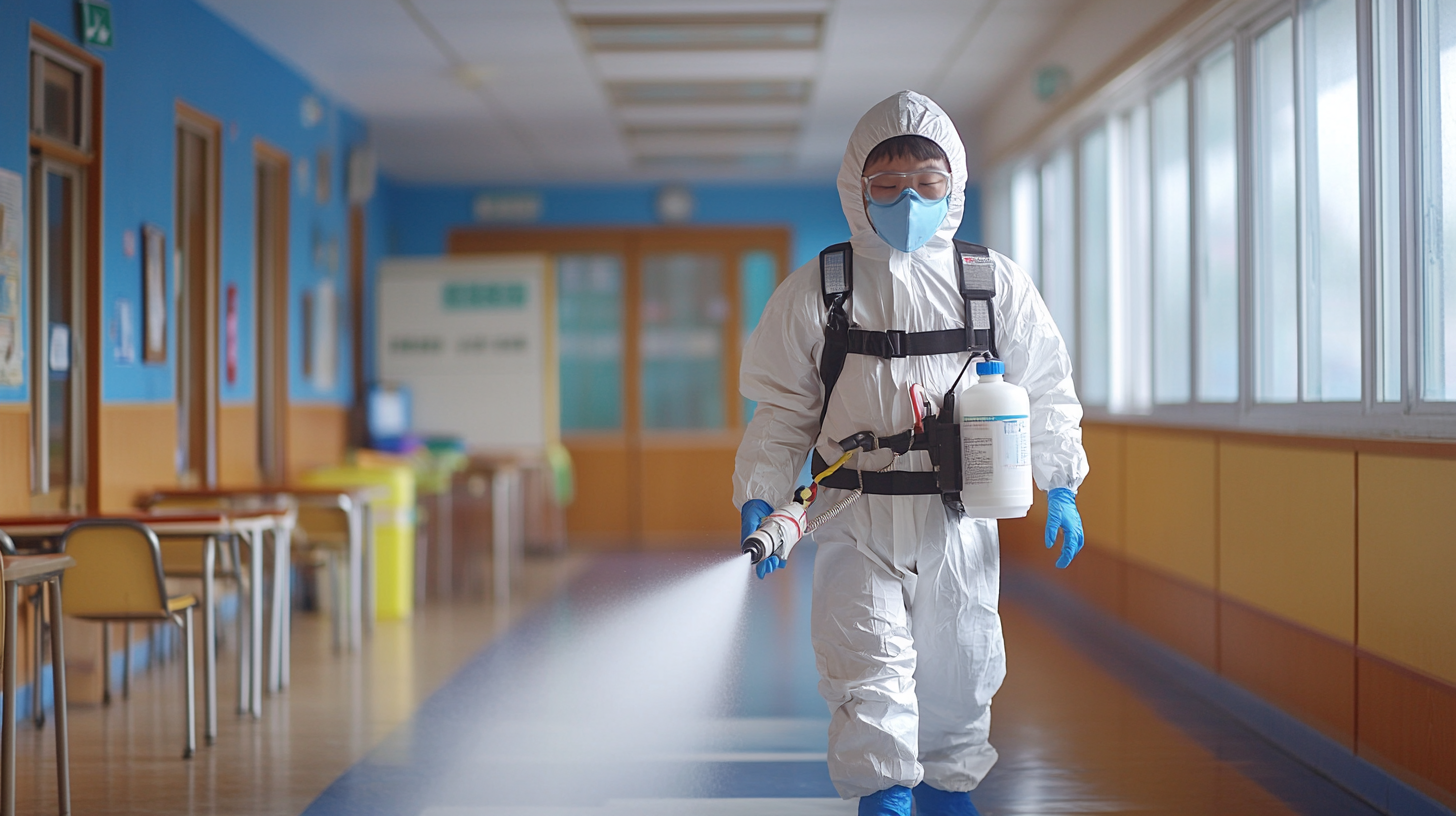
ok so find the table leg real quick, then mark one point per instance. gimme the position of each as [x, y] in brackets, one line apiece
[209, 638]
[7, 728]
[356, 580]
[37, 705]
[245, 595]
[370, 583]
[285, 552]
[275, 626]
[445, 542]
[500, 535]
[255, 682]
[58, 680]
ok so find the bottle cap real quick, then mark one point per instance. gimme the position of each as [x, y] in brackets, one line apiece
[990, 367]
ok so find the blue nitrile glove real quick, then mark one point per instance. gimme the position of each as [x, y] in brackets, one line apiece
[1062, 515]
[754, 512]
[936, 802]
[889, 802]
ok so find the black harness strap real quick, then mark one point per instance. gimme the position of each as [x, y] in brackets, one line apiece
[977, 279]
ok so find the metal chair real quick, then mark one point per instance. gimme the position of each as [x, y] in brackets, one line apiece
[328, 525]
[118, 578]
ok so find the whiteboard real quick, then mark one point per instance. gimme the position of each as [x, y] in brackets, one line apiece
[474, 341]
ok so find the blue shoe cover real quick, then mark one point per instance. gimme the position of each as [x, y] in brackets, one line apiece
[936, 802]
[890, 802]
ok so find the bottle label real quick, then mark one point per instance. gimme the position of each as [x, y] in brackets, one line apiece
[989, 442]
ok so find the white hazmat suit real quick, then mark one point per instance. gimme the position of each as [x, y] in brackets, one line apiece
[906, 632]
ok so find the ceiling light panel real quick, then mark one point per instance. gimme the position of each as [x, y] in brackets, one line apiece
[698, 32]
[707, 65]
[714, 163]
[771, 92]
[686, 115]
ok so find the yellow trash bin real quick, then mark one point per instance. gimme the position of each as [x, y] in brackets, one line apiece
[394, 529]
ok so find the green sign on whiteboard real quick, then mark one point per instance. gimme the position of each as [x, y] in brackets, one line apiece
[96, 23]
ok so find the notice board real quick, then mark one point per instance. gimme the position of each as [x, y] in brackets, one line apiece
[473, 338]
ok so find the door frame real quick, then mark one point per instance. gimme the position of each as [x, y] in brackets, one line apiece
[265, 154]
[631, 244]
[210, 128]
[90, 160]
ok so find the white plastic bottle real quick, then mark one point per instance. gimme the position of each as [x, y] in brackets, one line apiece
[995, 445]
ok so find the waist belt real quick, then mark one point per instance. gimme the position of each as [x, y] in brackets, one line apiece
[886, 483]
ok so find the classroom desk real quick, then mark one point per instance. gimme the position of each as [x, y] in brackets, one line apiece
[356, 501]
[21, 570]
[247, 526]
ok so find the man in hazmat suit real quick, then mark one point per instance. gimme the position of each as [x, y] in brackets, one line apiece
[905, 627]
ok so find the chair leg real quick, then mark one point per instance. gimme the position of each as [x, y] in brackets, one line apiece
[106, 663]
[336, 594]
[7, 728]
[37, 704]
[58, 681]
[126, 661]
[209, 640]
[191, 684]
[244, 596]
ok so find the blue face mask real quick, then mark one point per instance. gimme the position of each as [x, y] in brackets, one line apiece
[909, 221]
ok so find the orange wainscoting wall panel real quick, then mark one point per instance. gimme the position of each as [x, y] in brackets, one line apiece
[1315, 572]
[318, 435]
[138, 452]
[15, 459]
[237, 445]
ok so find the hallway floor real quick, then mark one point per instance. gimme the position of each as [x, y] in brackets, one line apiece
[652, 684]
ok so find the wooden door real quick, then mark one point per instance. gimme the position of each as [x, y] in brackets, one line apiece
[651, 323]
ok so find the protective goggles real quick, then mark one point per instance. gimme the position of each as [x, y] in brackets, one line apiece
[884, 188]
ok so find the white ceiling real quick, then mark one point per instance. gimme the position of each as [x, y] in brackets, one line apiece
[471, 91]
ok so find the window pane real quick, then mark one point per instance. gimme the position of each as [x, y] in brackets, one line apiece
[1438, 141]
[1172, 351]
[1276, 219]
[1387, 168]
[1218, 218]
[1026, 221]
[589, 320]
[60, 103]
[1129, 289]
[683, 309]
[1332, 269]
[1057, 245]
[757, 278]
[1094, 206]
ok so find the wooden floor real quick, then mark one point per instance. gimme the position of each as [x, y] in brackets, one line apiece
[1078, 730]
[126, 757]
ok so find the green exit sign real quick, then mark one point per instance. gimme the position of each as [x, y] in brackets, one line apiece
[96, 23]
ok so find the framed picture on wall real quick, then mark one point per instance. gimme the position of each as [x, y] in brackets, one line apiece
[154, 294]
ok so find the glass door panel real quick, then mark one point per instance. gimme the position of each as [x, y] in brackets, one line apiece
[684, 307]
[589, 328]
[56, 408]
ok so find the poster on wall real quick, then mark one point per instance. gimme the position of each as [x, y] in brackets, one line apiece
[325, 366]
[473, 341]
[12, 232]
[154, 294]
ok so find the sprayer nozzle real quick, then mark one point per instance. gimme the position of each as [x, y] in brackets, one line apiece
[753, 547]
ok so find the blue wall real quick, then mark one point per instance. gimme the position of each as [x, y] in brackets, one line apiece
[175, 50]
[420, 216]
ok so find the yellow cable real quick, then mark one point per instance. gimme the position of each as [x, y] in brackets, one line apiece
[836, 466]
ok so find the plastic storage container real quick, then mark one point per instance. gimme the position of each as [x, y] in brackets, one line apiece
[995, 445]
[394, 528]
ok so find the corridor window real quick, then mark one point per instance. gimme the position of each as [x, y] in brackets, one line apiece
[1332, 189]
[1129, 288]
[1276, 219]
[1172, 350]
[1095, 236]
[1218, 231]
[1058, 246]
[1438, 200]
[1388, 230]
[1026, 221]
